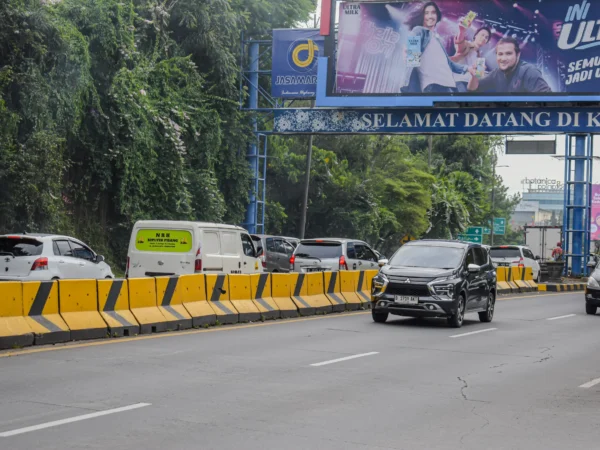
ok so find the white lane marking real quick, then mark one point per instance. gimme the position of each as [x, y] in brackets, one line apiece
[72, 419]
[589, 384]
[333, 361]
[562, 317]
[474, 332]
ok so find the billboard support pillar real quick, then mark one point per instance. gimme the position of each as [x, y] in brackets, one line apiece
[577, 214]
[252, 212]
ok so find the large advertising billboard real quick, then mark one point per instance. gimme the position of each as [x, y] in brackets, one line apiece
[294, 66]
[595, 222]
[469, 48]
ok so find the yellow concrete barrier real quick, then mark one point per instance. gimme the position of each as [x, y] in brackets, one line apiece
[299, 291]
[331, 281]
[502, 281]
[348, 284]
[14, 330]
[40, 302]
[529, 279]
[217, 291]
[113, 305]
[518, 277]
[281, 290]
[260, 285]
[363, 287]
[78, 306]
[170, 302]
[143, 306]
[193, 291]
[315, 294]
[240, 297]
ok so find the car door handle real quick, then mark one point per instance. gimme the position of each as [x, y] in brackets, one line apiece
[245, 263]
[359, 263]
[82, 264]
[61, 261]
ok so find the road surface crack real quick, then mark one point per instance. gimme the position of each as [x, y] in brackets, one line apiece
[463, 388]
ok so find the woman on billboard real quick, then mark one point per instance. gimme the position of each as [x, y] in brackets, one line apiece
[429, 69]
[468, 52]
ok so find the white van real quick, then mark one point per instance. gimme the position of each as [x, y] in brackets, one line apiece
[164, 248]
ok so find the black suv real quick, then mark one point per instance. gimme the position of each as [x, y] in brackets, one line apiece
[434, 278]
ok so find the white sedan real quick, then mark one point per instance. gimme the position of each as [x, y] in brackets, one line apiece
[43, 257]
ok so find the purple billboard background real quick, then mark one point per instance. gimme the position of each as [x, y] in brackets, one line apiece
[559, 42]
[595, 225]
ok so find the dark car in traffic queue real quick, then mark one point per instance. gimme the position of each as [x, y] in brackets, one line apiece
[436, 279]
[592, 288]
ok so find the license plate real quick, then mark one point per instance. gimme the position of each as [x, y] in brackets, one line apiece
[406, 300]
[315, 269]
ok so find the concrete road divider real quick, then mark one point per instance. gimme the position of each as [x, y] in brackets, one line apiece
[193, 296]
[217, 291]
[502, 284]
[143, 305]
[40, 302]
[113, 305]
[299, 293]
[315, 294]
[14, 330]
[281, 289]
[170, 303]
[528, 273]
[260, 285]
[348, 284]
[517, 276]
[241, 298]
[78, 306]
[363, 288]
[331, 281]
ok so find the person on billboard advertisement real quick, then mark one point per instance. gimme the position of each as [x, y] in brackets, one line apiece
[512, 74]
[468, 52]
[434, 73]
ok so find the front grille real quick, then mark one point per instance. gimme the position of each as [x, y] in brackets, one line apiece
[416, 280]
[408, 289]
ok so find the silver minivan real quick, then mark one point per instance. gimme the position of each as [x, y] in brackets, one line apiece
[277, 251]
[332, 254]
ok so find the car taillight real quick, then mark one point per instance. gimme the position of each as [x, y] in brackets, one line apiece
[343, 265]
[198, 262]
[521, 265]
[292, 261]
[263, 259]
[40, 264]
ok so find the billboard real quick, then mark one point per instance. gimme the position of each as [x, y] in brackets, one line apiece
[595, 225]
[294, 66]
[468, 48]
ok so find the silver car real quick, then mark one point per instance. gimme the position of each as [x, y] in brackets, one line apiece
[332, 254]
[44, 257]
[277, 251]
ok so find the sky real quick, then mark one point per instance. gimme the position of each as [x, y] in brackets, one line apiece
[542, 166]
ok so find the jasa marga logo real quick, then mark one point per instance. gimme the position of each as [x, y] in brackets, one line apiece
[303, 55]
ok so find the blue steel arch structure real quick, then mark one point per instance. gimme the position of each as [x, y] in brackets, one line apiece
[255, 98]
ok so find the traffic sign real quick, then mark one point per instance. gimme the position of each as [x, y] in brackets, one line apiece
[471, 238]
[486, 230]
[499, 226]
[474, 231]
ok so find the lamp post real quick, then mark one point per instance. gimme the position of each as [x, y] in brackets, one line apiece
[494, 166]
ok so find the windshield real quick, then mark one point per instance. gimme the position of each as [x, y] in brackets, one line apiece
[505, 253]
[428, 257]
[319, 250]
[20, 247]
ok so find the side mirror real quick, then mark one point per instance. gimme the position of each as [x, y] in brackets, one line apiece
[537, 258]
[383, 262]
[259, 252]
[474, 268]
[591, 264]
[99, 259]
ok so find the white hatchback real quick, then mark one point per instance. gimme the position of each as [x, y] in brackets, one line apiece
[515, 256]
[43, 257]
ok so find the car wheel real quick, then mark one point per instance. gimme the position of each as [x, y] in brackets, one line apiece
[379, 317]
[488, 314]
[456, 320]
[590, 309]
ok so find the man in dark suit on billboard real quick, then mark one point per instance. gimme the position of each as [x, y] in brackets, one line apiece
[512, 75]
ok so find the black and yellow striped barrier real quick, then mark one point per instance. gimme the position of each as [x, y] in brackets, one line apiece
[564, 287]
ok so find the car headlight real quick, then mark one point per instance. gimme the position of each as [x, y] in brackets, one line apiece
[443, 286]
[379, 284]
[592, 282]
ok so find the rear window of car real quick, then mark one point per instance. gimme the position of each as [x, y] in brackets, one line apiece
[321, 250]
[510, 252]
[20, 247]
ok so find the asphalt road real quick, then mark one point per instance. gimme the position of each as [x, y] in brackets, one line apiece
[408, 384]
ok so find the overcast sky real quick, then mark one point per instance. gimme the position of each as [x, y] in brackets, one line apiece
[544, 166]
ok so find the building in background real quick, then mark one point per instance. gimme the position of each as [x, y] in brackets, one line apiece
[542, 203]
